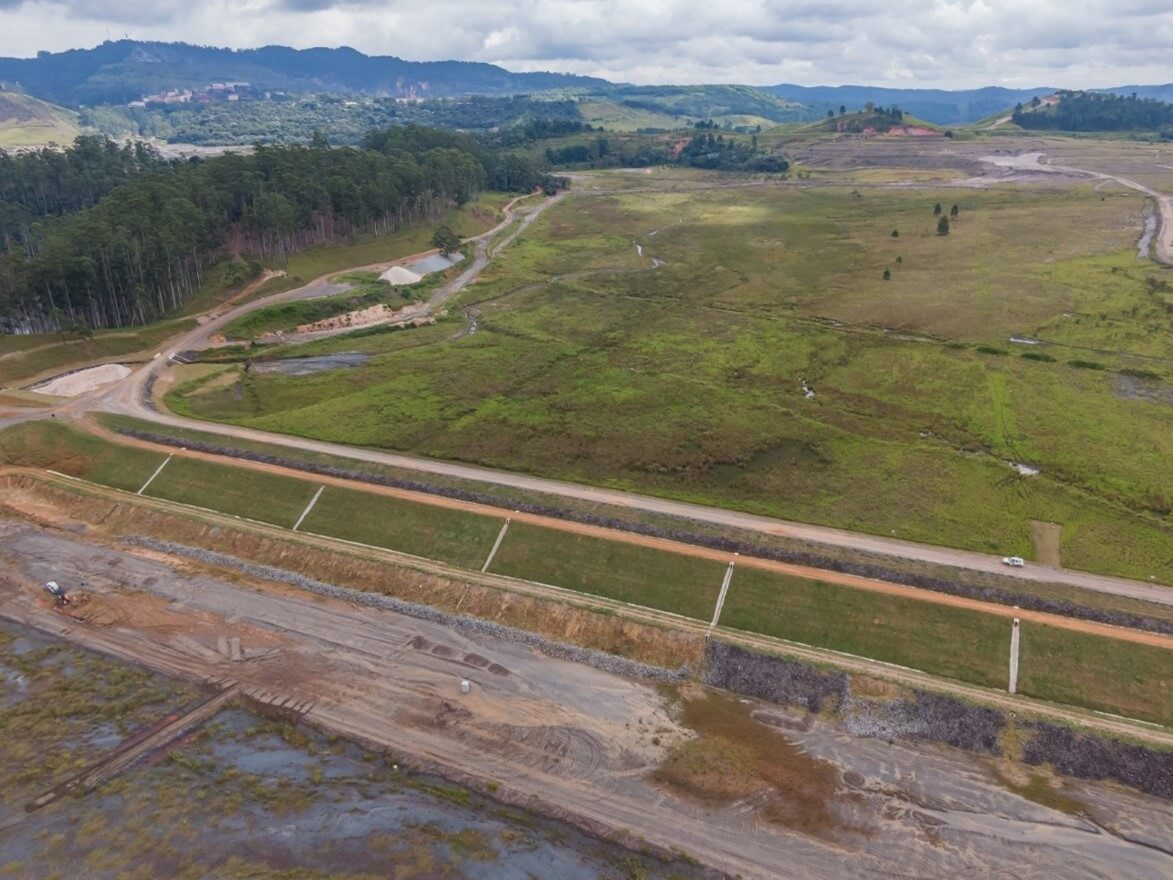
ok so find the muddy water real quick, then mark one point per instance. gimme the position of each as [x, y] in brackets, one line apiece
[310, 365]
[1145, 244]
[274, 798]
[434, 263]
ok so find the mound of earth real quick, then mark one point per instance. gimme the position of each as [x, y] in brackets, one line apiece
[398, 275]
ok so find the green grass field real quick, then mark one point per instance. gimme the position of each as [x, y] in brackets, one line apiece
[55, 447]
[685, 380]
[451, 536]
[625, 572]
[240, 491]
[889, 628]
[1096, 672]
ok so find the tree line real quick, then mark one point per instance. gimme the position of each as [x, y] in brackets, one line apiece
[1095, 111]
[140, 250]
[50, 182]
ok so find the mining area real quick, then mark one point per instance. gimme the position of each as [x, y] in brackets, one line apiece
[192, 714]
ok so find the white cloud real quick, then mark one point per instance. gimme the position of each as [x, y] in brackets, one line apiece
[943, 43]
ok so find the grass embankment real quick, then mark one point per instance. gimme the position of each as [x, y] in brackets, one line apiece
[55, 447]
[889, 628]
[240, 491]
[685, 380]
[507, 497]
[1057, 664]
[628, 573]
[451, 536]
[23, 357]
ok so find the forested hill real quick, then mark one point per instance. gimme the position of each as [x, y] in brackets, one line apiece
[141, 251]
[120, 71]
[1096, 111]
[940, 106]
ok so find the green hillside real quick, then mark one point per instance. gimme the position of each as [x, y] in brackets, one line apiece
[27, 122]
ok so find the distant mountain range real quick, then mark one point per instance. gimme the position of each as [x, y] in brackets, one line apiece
[940, 106]
[117, 72]
[120, 71]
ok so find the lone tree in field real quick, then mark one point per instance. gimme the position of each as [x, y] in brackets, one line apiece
[887, 274]
[899, 260]
[896, 233]
[954, 211]
[943, 226]
[936, 209]
[446, 240]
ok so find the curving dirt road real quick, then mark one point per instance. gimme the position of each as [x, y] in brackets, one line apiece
[1034, 162]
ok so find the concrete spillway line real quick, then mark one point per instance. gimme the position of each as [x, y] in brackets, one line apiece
[1015, 636]
[308, 508]
[151, 478]
[721, 596]
[496, 546]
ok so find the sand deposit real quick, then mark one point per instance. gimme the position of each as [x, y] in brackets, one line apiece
[84, 381]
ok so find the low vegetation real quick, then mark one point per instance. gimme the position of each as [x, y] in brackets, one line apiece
[686, 380]
[640, 575]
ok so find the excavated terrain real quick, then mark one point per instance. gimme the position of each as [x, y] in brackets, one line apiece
[605, 748]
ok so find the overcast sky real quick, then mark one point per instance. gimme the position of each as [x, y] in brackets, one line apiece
[928, 43]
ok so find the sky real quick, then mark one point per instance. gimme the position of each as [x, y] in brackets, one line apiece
[908, 43]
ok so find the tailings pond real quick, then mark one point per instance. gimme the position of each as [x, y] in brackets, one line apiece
[243, 796]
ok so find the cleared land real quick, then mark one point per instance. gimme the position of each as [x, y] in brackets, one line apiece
[684, 380]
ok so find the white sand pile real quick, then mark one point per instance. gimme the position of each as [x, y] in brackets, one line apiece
[397, 275]
[84, 381]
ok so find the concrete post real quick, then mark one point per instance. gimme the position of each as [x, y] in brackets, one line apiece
[234, 648]
[496, 545]
[1014, 640]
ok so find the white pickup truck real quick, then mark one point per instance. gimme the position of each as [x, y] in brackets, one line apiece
[1013, 561]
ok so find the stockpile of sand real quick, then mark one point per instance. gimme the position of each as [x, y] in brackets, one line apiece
[398, 275]
[84, 381]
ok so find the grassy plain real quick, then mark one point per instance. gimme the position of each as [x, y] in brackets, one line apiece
[684, 380]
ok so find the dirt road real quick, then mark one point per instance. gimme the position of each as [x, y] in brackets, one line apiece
[570, 740]
[1034, 162]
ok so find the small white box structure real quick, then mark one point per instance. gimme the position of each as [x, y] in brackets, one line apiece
[465, 686]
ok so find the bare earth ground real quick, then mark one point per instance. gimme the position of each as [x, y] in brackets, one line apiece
[571, 739]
